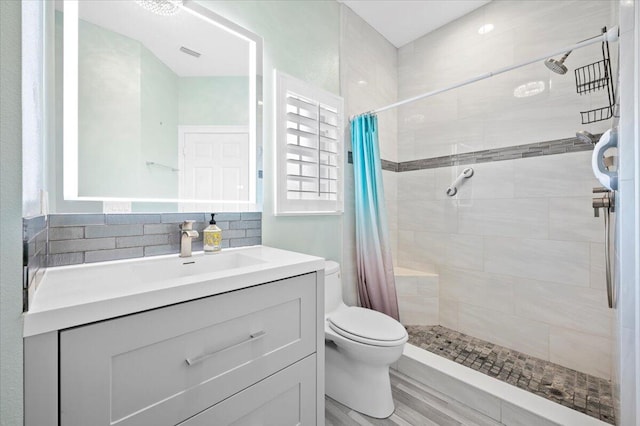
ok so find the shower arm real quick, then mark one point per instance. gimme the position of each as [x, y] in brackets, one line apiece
[611, 35]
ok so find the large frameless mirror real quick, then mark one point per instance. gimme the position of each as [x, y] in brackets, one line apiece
[161, 104]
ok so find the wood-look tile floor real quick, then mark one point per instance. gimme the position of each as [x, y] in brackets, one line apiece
[416, 405]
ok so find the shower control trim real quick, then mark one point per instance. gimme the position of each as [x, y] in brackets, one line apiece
[607, 202]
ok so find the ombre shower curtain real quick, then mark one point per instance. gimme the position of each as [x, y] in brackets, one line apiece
[376, 283]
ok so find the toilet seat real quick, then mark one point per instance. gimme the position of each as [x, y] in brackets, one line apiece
[367, 326]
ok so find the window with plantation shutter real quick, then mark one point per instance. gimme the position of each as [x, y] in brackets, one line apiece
[309, 155]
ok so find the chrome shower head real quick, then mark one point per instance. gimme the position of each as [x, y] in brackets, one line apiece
[585, 137]
[556, 65]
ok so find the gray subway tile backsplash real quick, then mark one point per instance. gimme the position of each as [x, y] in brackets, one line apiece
[235, 233]
[101, 231]
[63, 259]
[66, 233]
[162, 249]
[33, 226]
[159, 228]
[34, 231]
[80, 238]
[76, 219]
[250, 216]
[85, 244]
[227, 217]
[143, 240]
[254, 232]
[124, 219]
[246, 224]
[115, 254]
[181, 217]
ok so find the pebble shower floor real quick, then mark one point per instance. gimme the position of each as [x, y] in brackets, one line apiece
[579, 391]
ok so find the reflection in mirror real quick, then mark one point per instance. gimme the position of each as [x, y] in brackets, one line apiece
[166, 105]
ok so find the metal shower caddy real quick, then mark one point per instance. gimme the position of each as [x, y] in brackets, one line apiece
[594, 77]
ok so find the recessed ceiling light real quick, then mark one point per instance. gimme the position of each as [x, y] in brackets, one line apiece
[362, 83]
[486, 28]
[531, 88]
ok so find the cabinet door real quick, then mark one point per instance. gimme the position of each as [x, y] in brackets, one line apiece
[163, 366]
[285, 399]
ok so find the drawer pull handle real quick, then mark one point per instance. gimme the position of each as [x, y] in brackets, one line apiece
[252, 338]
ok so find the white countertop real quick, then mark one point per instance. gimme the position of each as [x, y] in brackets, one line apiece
[69, 296]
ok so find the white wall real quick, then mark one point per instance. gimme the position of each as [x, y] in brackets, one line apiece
[519, 253]
[627, 353]
[10, 216]
[368, 79]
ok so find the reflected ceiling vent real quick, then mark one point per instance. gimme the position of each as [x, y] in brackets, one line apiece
[161, 7]
[190, 52]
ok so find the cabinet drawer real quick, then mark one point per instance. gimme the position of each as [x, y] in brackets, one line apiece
[163, 366]
[288, 398]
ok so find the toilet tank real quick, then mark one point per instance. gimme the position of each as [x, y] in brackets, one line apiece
[332, 286]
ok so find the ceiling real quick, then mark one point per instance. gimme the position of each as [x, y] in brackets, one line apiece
[402, 21]
[222, 53]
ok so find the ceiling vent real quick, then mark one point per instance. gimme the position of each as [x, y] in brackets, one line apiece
[190, 52]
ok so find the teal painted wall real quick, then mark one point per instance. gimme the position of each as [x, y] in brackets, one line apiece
[11, 387]
[302, 39]
[213, 101]
[159, 127]
[109, 100]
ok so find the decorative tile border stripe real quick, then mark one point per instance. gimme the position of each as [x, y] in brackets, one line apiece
[537, 149]
[558, 146]
[386, 164]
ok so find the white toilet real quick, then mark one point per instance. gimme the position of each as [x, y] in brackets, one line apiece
[360, 345]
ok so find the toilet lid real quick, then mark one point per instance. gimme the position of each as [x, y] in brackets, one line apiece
[367, 326]
[331, 267]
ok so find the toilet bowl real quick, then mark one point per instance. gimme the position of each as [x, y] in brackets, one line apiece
[360, 345]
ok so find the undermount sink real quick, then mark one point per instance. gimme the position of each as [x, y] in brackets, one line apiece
[178, 267]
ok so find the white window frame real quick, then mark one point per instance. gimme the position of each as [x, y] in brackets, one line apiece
[286, 86]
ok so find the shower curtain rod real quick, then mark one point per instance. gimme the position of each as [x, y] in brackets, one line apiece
[610, 35]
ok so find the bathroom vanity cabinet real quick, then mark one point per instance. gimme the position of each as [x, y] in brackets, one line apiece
[253, 355]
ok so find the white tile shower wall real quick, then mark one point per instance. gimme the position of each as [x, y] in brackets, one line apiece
[507, 262]
[368, 78]
[486, 114]
[518, 250]
[418, 296]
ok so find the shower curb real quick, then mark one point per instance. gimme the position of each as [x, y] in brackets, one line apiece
[500, 401]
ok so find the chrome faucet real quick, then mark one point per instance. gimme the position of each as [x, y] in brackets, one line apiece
[187, 233]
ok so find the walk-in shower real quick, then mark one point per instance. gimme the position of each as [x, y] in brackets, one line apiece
[507, 276]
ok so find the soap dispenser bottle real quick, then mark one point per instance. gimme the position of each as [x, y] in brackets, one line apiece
[212, 237]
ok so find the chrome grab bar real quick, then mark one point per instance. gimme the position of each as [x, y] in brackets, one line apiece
[252, 338]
